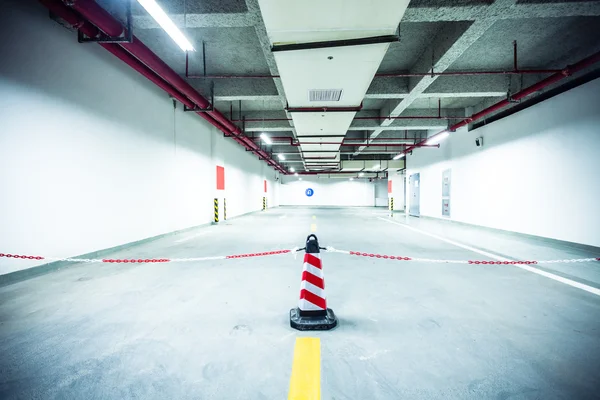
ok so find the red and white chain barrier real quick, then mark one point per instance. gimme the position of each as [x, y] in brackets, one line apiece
[428, 260]
[144, 260]
[293, 251]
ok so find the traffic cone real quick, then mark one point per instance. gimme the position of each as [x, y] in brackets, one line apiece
[312, 313]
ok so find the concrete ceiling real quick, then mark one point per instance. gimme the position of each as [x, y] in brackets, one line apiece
[448, 35]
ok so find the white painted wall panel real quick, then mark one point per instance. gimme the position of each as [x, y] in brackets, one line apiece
[92, 155]
[327, 192]
[381, 193]
[537, 172]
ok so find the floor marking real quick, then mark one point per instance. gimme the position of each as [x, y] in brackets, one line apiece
[314, 217]
[305, 382]
[192, 237]
[549, 275]
[313, 227]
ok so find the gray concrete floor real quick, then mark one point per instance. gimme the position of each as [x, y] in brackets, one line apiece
[220, 329]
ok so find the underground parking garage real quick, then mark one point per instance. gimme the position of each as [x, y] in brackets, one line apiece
[270, 199]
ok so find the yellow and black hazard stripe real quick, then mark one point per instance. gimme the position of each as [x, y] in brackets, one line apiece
[216, 210]
[264, 203]
[391, 204]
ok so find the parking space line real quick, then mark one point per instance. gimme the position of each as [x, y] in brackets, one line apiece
[313, 227]
[529, 268]
[305, 382]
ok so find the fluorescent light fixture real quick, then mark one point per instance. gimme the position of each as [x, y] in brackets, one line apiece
[265, 139]
[435, 139]
[292, 169]
[281, 157]
[296, 174]
[361, 174]
[351, 179]
[399, 156]
[299, 179]
[167, 24]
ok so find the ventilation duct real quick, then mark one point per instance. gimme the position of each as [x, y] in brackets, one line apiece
[318, 95]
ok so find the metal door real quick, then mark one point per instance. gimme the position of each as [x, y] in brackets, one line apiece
[414, 207]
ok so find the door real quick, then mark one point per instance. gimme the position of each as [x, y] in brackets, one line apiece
[414, 208]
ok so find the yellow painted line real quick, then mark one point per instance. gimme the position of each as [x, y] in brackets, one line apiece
[313, 227]
[305, 383]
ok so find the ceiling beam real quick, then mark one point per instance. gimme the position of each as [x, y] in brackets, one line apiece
[235, 20]
[412, 14]
[265, 44]
[448, 46]
[518, 11]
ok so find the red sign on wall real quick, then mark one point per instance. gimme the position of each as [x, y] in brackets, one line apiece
[265, 183]
[220, 178]
[389, 186]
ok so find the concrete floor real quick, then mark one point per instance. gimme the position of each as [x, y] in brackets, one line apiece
[220, 329]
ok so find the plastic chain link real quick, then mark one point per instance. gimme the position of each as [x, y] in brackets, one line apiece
[385, 256]
[20, 256]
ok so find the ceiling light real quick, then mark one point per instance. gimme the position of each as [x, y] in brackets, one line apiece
[292, 169]
[296, 174]
[361, 174]
[299, 179]
[438, 138]
[399, 156]
[281, 157]
[167, 24]
[265, 139]
[351, 179]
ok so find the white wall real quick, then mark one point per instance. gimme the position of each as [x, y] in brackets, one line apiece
[381, 193]
[327, 192]
[92, 155]
[537, 172]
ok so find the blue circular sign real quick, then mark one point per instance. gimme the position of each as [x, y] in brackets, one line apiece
[309, 192]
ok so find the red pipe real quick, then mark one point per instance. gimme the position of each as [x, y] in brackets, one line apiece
[323, 109]
[469, 73]
[345, 142]
[397, 74]
[568, 71]
[359, 118]
[155, 67]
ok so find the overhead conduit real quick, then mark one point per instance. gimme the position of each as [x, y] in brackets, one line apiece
[568, 71]
[144, 61]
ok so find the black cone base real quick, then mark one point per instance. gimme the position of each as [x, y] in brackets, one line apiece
[312, 323]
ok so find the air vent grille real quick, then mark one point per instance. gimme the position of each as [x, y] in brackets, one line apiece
[324, 94]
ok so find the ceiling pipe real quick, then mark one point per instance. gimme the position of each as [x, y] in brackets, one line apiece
[400, 74]
[151, 66]
[344, 140]
[558, 76]
[349, 173]
[324, 109]
[358, 118]
[345, 143]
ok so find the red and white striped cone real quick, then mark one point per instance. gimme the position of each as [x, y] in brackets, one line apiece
[312, 312]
